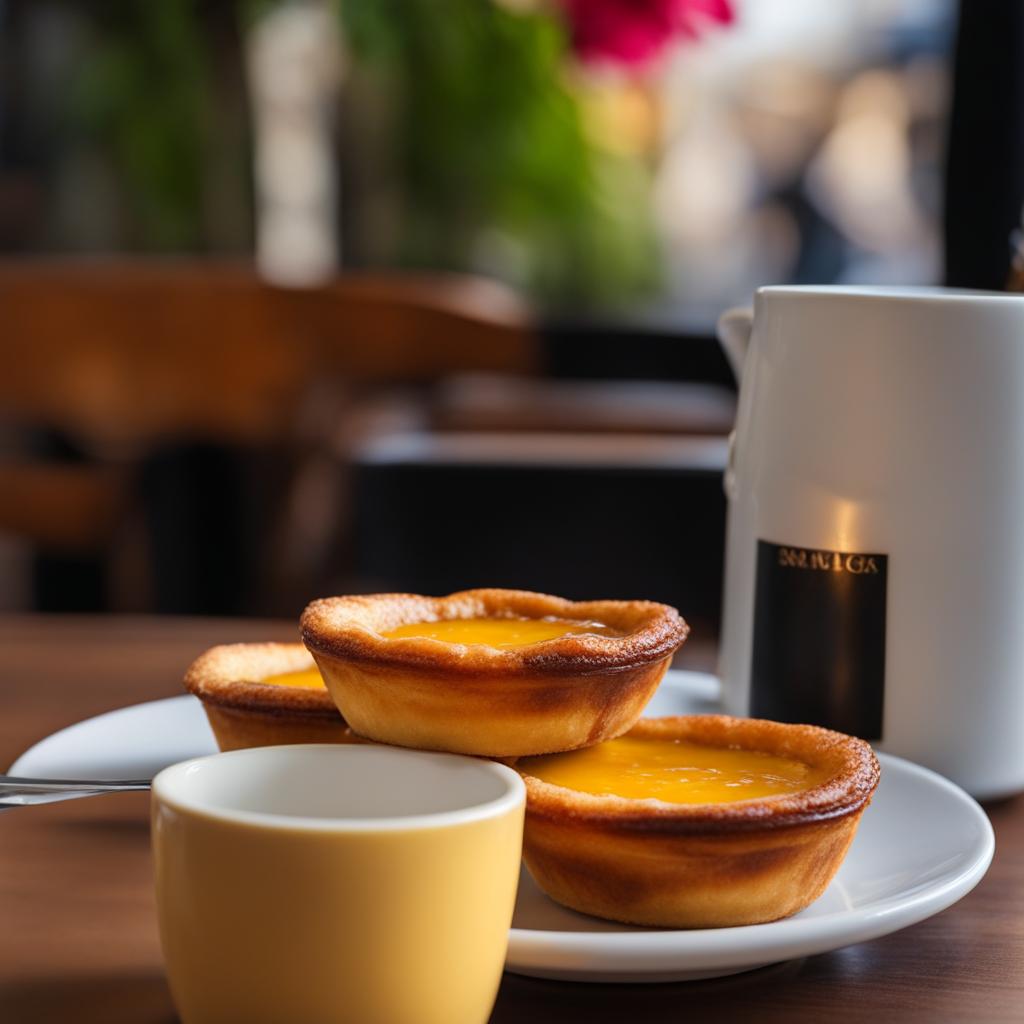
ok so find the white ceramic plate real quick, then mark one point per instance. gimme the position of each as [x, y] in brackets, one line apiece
[922, 845]
[131, 743]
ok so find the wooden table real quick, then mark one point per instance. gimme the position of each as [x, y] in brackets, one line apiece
[78, 941]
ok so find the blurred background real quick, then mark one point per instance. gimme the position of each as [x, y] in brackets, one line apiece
[303, 297]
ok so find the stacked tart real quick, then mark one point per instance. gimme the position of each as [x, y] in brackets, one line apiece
[258, 695]
[500, 673]
[699, 821]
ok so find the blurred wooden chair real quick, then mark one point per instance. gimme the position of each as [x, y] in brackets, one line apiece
[130, 353]
[125, 359]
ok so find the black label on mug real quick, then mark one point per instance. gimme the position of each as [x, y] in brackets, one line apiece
[819, 638]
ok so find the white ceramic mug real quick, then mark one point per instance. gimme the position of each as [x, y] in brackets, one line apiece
[875, 547]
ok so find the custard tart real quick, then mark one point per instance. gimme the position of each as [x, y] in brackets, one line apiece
[498, 673]
[258, 695]
[701, 821]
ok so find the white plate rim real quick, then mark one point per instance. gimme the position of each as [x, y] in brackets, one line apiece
[55, 739]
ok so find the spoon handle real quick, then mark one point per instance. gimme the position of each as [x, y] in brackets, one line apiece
[15, 792]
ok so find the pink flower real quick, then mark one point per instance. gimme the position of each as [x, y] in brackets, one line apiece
[636, 31]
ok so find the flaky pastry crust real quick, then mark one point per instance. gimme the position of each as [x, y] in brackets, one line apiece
[650, 862]
[558, 694]
[245, 712]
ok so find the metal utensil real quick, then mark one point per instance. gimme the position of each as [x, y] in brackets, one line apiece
[15, 792]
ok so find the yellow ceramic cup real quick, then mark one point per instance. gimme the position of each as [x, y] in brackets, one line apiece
[331, 883]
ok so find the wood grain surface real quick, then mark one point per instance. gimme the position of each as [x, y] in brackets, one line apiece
[78, 941]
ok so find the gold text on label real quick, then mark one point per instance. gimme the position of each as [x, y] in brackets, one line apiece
[828, 561]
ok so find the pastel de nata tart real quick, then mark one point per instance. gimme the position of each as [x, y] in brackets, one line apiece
[699, 821]
[258, 695]
[497, 673]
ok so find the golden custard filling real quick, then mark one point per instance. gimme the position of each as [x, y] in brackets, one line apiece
[500, 633]
[304, 679]
[674, 771]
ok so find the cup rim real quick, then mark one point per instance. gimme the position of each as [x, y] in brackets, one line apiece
[889, 292]
[167, 784]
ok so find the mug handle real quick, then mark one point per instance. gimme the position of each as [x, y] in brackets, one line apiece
[734, 329]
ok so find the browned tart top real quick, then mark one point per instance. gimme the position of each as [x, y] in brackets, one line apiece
[851, 766]
[230, 676]
[351, 628]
